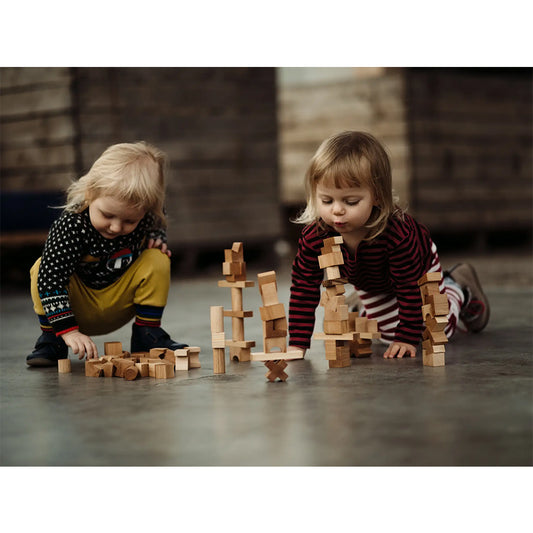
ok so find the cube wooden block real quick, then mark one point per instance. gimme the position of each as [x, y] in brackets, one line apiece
[218, 340]
[336, 327]
[112, 348]
[332, 273]
[163, 370]
[433, 359]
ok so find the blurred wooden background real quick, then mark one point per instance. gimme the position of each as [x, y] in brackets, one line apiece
[239, 140]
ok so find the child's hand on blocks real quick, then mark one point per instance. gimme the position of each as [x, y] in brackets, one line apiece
[80, 344]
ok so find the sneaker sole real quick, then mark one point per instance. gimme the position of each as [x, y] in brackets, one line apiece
[41, 362]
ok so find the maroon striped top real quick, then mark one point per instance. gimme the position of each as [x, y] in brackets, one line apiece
[390, 264]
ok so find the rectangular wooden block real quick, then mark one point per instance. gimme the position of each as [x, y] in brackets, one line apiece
[182, 362]
[266, 277]
[430, 277]
[275, 343]
[335, 290]
[109, 369]
[437, 323]
[269, 293]
[330, 260]
[112, 348]
[336, 327]
[272, 312]
[93, 368]
[235, 284]
[428, 290]
[275, 328]
[436, 337]
[218, 340]
[333, 241]
[439, 303]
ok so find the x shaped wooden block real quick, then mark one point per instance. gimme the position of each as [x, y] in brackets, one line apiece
[276, 370]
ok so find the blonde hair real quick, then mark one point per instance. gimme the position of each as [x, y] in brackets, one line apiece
[352, 159]
[130, 172]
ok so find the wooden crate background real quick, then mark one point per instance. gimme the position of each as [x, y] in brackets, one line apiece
[217, 125]
[459, 140]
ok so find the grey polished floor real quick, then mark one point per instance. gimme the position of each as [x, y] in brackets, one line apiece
[477, 410]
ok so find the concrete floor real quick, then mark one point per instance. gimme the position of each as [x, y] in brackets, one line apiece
[477, 410]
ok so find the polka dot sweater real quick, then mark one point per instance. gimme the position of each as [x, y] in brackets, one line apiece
[74, 246]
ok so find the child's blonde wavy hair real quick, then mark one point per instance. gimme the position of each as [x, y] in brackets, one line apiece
[352, 159]
[129, 172]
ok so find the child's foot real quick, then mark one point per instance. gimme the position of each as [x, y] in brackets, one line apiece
[475, 312]
[48, 349]
[144, 338]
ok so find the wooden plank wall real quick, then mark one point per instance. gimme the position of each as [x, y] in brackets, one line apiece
[370, 100]
[470, 134]
[37, 132]
[217, 125]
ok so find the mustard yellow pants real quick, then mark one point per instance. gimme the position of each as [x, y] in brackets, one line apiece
[101, 311]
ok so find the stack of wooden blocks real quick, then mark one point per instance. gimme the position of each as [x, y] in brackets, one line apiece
[274, 330]
[343, 331]
[234, 270]
[159, 363]
[434, 313]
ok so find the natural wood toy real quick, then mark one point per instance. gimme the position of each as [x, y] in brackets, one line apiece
[434, 313]
[234, 268]
[274, 330]
[187, 358]
[64, 366]
[344, 332]
[218, 341]
[158, 363]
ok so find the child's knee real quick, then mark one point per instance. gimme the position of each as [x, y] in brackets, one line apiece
[157, 260]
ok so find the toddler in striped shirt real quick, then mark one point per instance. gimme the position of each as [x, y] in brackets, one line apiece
[386, 251]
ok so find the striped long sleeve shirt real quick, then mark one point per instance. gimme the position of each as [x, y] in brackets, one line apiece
[391, 264]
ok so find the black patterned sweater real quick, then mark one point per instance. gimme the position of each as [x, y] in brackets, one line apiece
[74, 246]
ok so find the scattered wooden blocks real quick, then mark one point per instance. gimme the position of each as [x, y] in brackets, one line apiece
[434, 313]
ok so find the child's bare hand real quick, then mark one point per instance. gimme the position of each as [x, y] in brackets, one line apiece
[399, 349]
[158, 243]
[80, 344]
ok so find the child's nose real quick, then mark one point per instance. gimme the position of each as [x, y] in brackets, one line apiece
[338, 208]
[115, 226]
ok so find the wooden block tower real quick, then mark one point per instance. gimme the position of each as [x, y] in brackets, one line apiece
[234, 269]
[274, 330]
[343, 331]
[434, 313]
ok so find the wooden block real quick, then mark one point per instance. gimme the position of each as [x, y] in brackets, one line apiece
[275, 328]
[276, 370]
[113, 348]
[340, 363]
[439, 303]
[333, 241]
[432, 348]
[436, 337]
[270, 344]
[121, 365]
[269, 293]
[218, 340]
[331, 282]
[428, 290]
[335, 290]
[163, 370]
[64, 366]
[276, 356]
[437, 323]
[93, 368]
[109, 369]
[239, 314]
[235, 284]
[182, 362]
[427, 312]
[350, 336]
[433, 359]
[336, 327]
[144, 370]
[330, 249]
[339, 314]
[330, 260]
[131, 373]
[194, 357]
[332, 273]
[266, 277]
[272, 312]
[430, 277]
